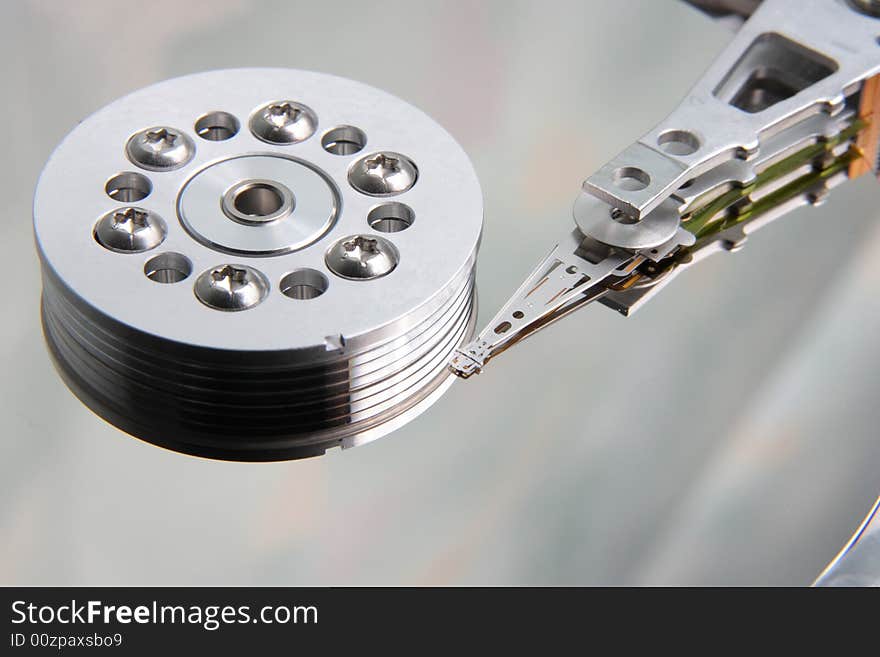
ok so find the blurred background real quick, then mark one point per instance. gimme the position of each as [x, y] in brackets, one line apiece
[726, 434]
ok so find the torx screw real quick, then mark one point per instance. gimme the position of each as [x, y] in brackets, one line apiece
[383, 174]
[283, 122]
[130, 230]
[359, 257]
[231, 287]
[160, 149]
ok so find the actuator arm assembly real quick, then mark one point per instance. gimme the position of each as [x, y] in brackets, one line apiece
[787, 112]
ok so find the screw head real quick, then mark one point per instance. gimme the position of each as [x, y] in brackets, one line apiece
[231, 287]
[283, 122]
[362, 257]
[130, 230]
[383, 174]
[160, 149]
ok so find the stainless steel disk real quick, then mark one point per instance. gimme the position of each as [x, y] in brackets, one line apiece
[344, 311]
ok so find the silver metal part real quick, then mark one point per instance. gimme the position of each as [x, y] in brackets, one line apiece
[160, 149]
[321, 351]
[362, 257]
[130, 230]
[784, 115]
[217, 126]
[561, 283]
[612, 226]
[858, 563]
[283, 122]
[783, 66]
[773, 125]
[257, 201]
[263, 214]
[344, 140]
[231, 287]
[383, 174]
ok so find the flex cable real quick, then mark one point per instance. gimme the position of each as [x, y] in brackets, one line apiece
[650, 272]
[702, 221]
[868, 140]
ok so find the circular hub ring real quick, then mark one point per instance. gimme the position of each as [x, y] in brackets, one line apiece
[211, 209]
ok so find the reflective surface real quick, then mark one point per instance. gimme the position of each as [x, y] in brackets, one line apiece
[858, 563]
[745, 453]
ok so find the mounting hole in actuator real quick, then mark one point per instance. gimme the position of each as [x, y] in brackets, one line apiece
[631, 179]
[678, 142]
